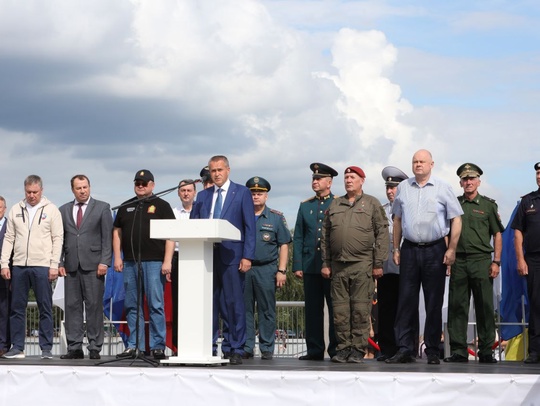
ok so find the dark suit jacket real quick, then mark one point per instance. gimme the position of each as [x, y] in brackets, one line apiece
[3, 283]
[239, 211]
[2, 234]
[90, 245]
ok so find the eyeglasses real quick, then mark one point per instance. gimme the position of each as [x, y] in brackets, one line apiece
[142, 183]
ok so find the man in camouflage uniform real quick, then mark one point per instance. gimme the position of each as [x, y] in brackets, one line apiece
[354, 246]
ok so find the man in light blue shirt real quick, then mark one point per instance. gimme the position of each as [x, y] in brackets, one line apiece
[427, 214]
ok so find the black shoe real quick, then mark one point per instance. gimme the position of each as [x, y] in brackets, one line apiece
[456, 358]
[433, 359]
[267, 355]
[342, 355]
[400, 358]
[533, 358]
[226, 355]
[94, 354]
[383, 357]
[128, 353]
[356, 356]
[73, 354]
[235, 359]
[309, 357]
[247, 355]
[158, 354]
[487, 359]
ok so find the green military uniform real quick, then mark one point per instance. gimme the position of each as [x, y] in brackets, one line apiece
[470, 273]
[307, 258]
[355, 240]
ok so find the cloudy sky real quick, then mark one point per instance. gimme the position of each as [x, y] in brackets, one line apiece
[107, 87]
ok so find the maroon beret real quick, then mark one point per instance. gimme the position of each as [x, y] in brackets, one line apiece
[356, 170]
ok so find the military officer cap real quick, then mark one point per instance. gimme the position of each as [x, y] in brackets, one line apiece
[537, 166]
[356, 170]
[145, 175]
[258, 184]
[205, 174]
[393, 176]
[469, 170]
[322, 170]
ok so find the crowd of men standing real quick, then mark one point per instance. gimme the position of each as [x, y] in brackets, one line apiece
[344, 248]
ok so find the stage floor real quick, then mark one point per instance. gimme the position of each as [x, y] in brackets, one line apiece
[293, 364]
[256, 382]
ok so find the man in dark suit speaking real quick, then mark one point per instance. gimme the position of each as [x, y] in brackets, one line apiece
[232, 259]
[86, 255]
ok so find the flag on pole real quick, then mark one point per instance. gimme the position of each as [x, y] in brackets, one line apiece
[514, 287]
[113, 301]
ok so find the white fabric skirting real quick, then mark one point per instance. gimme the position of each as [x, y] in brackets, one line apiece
[81, 386]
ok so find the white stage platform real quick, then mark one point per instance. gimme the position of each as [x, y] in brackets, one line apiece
[279, 382]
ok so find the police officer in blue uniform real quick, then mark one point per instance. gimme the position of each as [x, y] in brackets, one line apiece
[307, 263]
[268, 270]
[526, 227]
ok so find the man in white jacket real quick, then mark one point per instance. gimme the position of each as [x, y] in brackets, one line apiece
[34, 234]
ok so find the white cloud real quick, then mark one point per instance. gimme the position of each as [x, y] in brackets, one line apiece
[107, 88]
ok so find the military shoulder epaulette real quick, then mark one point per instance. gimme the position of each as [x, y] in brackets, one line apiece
[309, 199]
[489, 199]
[276, 212]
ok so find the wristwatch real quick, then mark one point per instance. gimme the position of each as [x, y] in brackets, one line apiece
[283, 271]
[498, 263]
[395, 250]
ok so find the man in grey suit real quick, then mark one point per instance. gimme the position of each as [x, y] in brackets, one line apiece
[86, 255]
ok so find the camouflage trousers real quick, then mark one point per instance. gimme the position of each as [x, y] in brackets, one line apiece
[352, 294]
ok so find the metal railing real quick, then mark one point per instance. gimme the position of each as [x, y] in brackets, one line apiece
[290, 340]
[289, 332]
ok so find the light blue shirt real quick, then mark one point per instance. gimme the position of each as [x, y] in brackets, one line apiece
[425, 211]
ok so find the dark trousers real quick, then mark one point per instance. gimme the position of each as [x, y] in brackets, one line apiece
[420, 266]
[84, 296]
[5, 308]
[228, 301]
[387, 301]
[533, 290]
[260, 288]
[22, 279]
[174, 296]
[316, 290]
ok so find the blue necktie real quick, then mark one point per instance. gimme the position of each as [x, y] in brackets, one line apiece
[217, 206]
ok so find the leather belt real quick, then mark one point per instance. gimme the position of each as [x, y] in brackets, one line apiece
[424, 244]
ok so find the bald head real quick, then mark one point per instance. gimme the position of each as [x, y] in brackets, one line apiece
[422, 163]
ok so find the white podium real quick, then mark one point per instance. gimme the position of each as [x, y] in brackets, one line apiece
[195, 269]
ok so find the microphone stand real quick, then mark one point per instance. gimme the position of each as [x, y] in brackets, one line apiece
[138, 354]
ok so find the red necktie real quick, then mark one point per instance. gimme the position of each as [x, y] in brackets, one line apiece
[79, 215]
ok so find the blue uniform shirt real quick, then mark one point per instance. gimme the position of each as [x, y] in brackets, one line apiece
[272, 232]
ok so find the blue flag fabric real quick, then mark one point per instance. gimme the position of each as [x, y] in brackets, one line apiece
[113, 300]
[514, 286]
